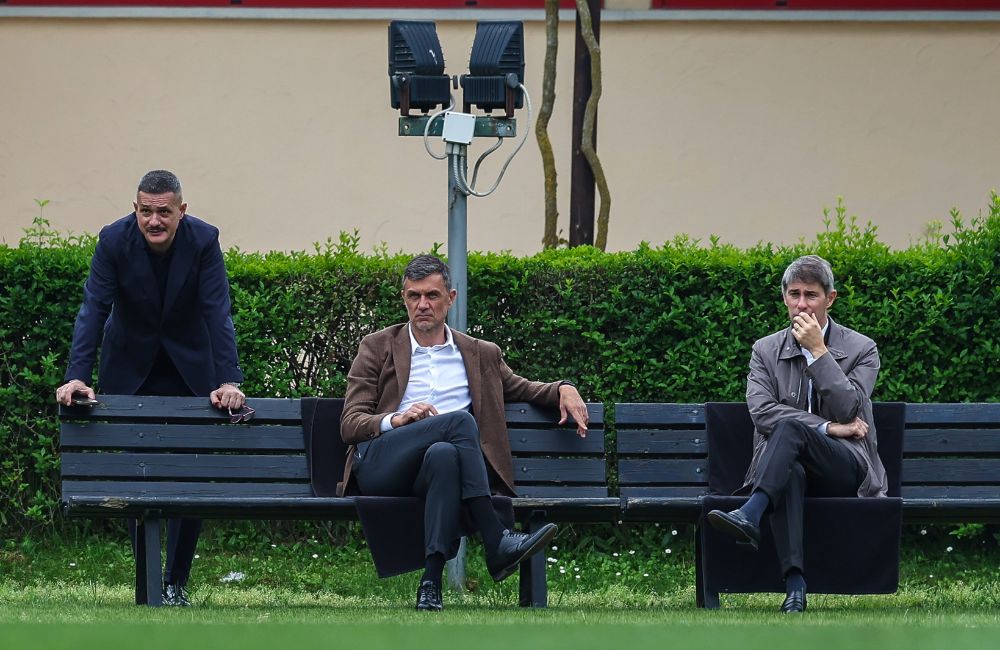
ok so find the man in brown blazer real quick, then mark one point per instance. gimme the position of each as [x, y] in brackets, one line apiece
[424, 415]
[809, 394]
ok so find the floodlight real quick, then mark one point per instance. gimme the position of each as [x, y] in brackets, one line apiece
[496, 68]
[416, 67]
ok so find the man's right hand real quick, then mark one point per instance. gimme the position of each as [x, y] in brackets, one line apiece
[64, 394]
[416, 412]
[856, 430]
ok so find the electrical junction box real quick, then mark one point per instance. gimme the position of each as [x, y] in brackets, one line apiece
[458, 127]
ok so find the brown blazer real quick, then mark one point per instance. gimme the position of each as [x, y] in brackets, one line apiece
[381, 371]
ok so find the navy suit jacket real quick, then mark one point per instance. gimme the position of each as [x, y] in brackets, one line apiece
[123, 314]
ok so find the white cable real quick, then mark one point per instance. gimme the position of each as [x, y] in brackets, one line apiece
[463, 184]
[427, 129]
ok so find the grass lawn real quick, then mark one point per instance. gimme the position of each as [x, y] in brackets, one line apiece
[75, 593]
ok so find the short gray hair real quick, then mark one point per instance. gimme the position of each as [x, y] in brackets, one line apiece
[160, 181]
[423, 265]
[809, 268]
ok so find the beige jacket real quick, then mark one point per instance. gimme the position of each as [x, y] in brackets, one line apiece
[778, 384]
[381, 371]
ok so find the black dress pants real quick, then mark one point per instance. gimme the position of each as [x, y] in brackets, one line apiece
[799, 462]
[438, 459]
[182, 534]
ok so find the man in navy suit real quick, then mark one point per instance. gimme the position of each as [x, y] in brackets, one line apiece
[156, 302]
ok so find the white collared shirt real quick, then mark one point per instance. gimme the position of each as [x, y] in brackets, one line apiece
[437, 376]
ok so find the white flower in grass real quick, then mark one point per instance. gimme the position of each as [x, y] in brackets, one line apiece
[645, 575]
[614, 554]
[631, 552]
[618, 574]
[315, 556]
[555, 548]
[274, 546]
[657, 524]
[233, 576]
[667, 551]
[72, 564]
[577, 577]
[923, 531]
[562, 569]
[673, 532]
[197, 557]
[577, 569]
[949, 549]
[551, 560]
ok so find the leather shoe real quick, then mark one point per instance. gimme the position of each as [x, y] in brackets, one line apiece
[795, 602]
[175, 596]
[735, 523]
[515, 548]
[429, 597]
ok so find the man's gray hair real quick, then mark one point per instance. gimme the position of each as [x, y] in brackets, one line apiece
[809, 268]
[423, 265]
[160, 181]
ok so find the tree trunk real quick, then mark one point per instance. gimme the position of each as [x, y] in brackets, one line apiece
[550, 238]
[589, 119]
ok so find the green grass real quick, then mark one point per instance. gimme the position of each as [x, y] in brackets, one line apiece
[74, 591]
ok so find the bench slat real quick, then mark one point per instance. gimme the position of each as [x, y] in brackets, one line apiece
[953, 471]
[185, 466]
[951, 441]
[679, 441]
[951, 492]
[559, 470]
[561, 491]
[663, 491]
[663, 471]
[519, 413]
[179, 409]
[659, 414]
[942, 413]
[556, 441]
[186, 490]
[102, 435]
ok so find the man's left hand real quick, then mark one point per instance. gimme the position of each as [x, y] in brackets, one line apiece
[572, 405]
[227, 396]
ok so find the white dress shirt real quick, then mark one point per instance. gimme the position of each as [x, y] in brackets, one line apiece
[810, 359]
[437, 376]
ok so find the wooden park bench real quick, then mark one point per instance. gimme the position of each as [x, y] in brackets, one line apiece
[152, 458]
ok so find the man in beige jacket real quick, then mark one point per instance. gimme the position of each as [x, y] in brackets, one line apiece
[809, 394]
[424, 415]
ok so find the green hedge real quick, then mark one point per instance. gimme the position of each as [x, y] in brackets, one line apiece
[671, 323]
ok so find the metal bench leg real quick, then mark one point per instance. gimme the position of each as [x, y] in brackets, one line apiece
[703, 597]
[148, 573]
[534, 590]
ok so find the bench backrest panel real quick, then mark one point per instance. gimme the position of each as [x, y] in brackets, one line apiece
[952, 451]
[662, 450]
[181, 446]
[552, 461]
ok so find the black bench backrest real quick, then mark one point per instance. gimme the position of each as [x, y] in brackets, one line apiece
[952, 451]
[552, 461]
[173, 447]
[662, 450]
[181, 447]
[730, 432]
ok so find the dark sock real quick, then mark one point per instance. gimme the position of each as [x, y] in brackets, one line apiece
[755, 507]
[485, 518]
[433, 568]
[794, 580]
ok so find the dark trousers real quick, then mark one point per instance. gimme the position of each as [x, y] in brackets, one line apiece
[182, 534]
[437, 459]
[182, 540]
[799, 462]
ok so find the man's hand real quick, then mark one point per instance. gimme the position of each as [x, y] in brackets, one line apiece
[227, 396]
[64, 394]
[855, 430]
[416, 412]
[806, 330]
[571, 404]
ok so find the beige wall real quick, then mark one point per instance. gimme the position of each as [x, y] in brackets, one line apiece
[282, 133]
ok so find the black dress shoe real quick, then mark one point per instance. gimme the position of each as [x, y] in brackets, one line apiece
[515, 548]
[795, 602]
[429, 597]
[175, 596]
[735, 523]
